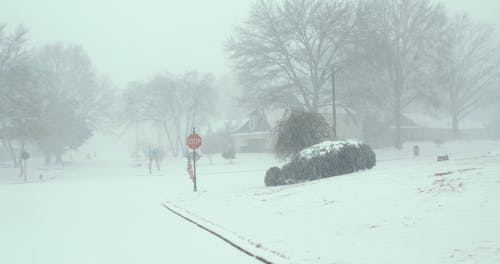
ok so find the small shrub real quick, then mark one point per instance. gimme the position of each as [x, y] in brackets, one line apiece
[273, 177]
[327, 159]
[229, 153]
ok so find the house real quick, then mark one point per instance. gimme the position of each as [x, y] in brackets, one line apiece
[426, 127]
[349, 125]
[254, 135]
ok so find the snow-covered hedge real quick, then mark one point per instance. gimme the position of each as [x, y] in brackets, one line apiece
[323, 160]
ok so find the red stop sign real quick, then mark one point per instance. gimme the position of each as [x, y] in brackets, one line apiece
[193, 141]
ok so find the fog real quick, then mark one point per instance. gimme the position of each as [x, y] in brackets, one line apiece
[148, 43]
[134, 40]
[293, 131]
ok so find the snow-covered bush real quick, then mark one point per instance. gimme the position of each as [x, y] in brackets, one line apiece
[273, 177]
[327, 159]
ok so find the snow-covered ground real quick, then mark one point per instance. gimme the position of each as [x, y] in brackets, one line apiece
[405, 210]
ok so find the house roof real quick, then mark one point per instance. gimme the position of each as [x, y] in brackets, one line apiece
[225, 125]
[428, 121]
[340, 109]
[259, 133]
[257, 122]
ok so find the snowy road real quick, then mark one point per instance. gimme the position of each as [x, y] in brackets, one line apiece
[100, 220]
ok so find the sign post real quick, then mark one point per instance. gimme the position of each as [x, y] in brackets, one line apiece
[24, 157]
[194, 142]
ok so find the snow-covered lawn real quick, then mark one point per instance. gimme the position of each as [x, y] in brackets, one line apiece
[405, 210]
[99, 213]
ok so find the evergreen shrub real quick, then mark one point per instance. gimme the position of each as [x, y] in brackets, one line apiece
[273, 177]
[327, 159]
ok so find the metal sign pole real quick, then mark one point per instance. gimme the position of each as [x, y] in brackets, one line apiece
[194, 169]
[23, 169]
[194, 165]
[193, 142]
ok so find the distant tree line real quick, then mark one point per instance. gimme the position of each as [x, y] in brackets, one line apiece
[53, 98]
[387, 55]
[50, 96]
[173, 104]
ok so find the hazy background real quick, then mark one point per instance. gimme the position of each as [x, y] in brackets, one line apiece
[131, 40]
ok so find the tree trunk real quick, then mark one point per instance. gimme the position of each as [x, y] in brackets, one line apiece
[14, 156]
[454, 112]
[179, 144]
[59, 160]
[46, 155]
[454, 125]
[397, 141]
[397, 122]
[169, 137]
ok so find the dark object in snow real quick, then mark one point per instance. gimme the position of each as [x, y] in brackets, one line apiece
[273, 177]
[155, 156]
[443, 158]
[438, 142]
[229, 153]
[416, 150]
[327, 159]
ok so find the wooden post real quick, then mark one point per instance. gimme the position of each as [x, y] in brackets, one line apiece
[334, 110]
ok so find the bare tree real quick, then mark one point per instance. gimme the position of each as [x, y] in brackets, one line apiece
[200, 99]
[285, 52]
[13, 66]
[398, 39]
[172, 103]
[467, 67]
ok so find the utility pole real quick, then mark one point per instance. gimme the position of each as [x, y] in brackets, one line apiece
[137, 142]
[334, 110]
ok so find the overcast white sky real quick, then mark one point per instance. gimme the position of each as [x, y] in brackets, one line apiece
[134, 39]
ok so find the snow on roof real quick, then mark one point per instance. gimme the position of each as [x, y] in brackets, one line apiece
[223, 125]
[427, 121]
[235, 125]
[273, 116]
[326, 147]
[259, 133]
[340, 109]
